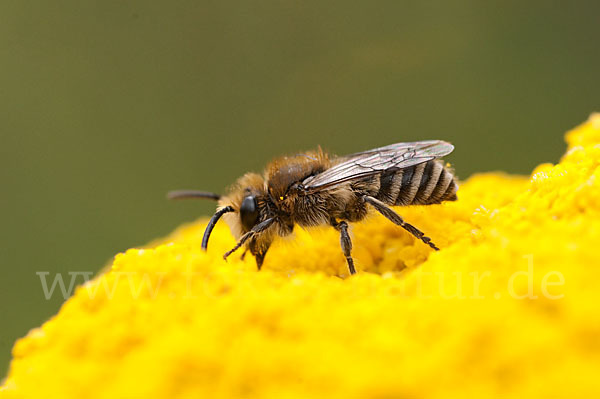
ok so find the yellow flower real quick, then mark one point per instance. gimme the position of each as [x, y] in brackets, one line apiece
[508, 307]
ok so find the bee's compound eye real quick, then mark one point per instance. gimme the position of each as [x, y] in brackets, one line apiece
[249, 212]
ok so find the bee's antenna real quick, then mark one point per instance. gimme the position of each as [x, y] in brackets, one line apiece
[185, 194]
[212, 222]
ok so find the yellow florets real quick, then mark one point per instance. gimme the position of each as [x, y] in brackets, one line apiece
[508, 307]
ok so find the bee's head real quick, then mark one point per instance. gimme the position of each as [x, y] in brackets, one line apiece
[246, 210]
[246, 202]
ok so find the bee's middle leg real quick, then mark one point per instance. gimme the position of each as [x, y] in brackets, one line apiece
[345, 242]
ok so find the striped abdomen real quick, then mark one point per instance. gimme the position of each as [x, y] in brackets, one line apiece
[423, 184]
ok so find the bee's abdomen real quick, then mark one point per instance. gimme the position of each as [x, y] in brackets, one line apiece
[423, 184]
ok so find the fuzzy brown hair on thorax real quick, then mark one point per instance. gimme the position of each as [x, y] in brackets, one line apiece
[282, 173]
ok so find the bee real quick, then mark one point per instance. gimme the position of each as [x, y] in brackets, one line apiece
[314, 188]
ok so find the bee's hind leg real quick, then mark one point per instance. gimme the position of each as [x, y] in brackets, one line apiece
[346, 243]
[397, 219]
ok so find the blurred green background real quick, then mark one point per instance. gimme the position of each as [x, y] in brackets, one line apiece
[107, 105]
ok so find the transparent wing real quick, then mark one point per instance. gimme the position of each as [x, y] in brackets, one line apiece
[378, 160]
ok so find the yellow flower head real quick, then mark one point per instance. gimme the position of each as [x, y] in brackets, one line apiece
[507, 307]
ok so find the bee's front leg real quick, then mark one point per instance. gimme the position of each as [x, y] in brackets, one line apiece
[260, 258]
[259, 251]
[345, 242]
